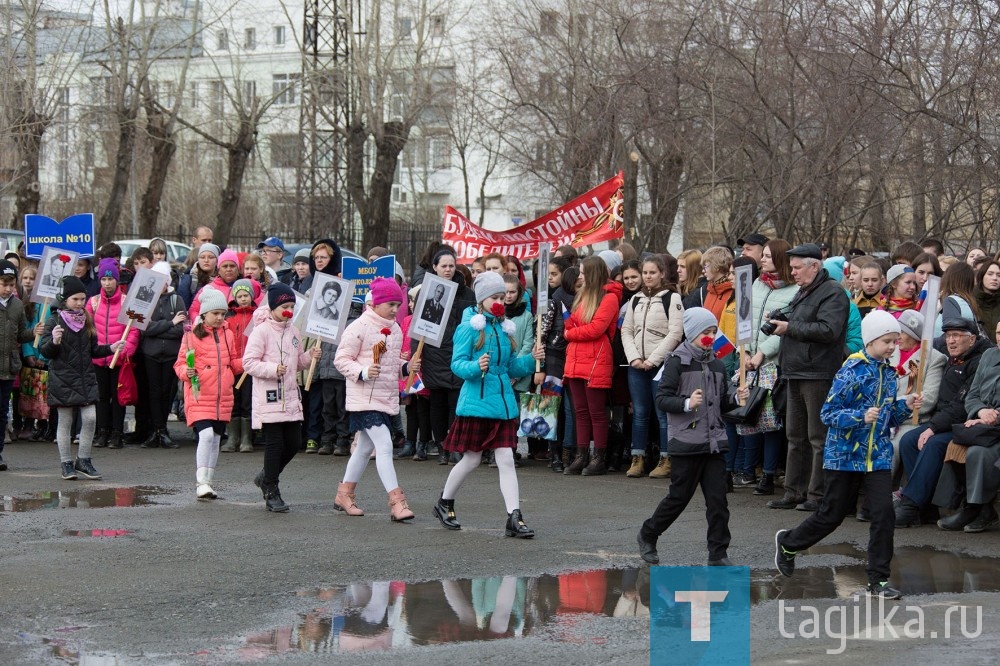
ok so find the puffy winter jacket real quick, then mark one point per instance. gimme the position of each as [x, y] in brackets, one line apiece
[814, 345]
[436, 362]
[588, 354]
[851, 444]
[524, 336]
[651, 330]
[218, 284]
[272, 343]
[488, 396]
[327, 368]
[162, 337]
[552, 332]
[105, 311]
[237, 321]
[354, 354]
[72, 379]
[217, 365]
[13, 331]
[765, 301]
[959, 373]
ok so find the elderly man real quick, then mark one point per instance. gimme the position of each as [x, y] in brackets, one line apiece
[812, 350]
[753, 246]
[922, 449]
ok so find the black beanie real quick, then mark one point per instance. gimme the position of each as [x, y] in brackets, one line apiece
[279, 293]
[72, 285]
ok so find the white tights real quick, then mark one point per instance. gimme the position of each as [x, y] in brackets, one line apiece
[504, 458]
[379, 440]
[207, 454]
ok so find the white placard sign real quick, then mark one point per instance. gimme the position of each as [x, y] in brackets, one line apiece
[142, 297]
[54, 265]
[744, 304]
[433, 307]
[542, 281]
[930, 307]
[329, 305]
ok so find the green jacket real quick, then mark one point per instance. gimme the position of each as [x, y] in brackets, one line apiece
[13, 331]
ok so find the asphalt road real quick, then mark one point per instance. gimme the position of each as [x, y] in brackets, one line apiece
[226, 582]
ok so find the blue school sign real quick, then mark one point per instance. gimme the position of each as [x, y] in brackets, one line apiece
[362, 273]
[75, 233]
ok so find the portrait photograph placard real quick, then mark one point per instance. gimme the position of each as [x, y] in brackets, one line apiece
[433, 307]
[54, 265]
[142, 296]
[329, 304]
[744, 304]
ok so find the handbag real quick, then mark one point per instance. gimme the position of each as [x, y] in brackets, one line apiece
[779, 394]
[749, 411]
[33, 401]
[980, 434]
[769, 420]
[540, 411]
[128, 389]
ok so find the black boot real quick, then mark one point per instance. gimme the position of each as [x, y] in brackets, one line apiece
[116, 440]
[151, 442]
[516, 527]
[579, 462]
[272, 497]
[907, 513]
[555, 457]
[958, 520]
[987, 519]
[766, 485]
[102, 438]
[165, 440]
[442, 456]
[445, 512]
[597, 465]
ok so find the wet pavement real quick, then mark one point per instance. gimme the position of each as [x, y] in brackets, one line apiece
[157, 577]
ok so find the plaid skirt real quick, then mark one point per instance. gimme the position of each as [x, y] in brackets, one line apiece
[468, 433]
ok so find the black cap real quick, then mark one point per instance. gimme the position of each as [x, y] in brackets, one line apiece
[960, 324]
[752, 239]
[805, 251]
[72, 285]
[7, 269]
[823, 246]
[856, 252]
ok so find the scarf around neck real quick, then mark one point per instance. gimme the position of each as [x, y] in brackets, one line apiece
[75, 319]
[773, 281]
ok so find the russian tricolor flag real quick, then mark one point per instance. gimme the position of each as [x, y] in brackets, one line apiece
[722, 347]
[920, 301]
[565, 312]
[418, 385]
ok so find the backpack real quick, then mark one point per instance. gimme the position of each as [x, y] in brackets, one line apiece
[665, 298]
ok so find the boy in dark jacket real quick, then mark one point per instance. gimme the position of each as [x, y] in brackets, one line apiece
[860, 410]
[13, 331]
[694, 393]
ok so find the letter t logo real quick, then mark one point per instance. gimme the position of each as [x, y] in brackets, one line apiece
[701, 610]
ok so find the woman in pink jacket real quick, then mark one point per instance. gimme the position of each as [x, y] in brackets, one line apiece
[369, 358]
[272, 357]
[104, 309]
[208, 386]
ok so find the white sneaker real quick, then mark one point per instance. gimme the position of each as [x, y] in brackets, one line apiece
[204, 490]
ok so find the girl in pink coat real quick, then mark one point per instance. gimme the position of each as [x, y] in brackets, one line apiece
[104, 309]
[208, 385]
[272, 357]
[369, 358]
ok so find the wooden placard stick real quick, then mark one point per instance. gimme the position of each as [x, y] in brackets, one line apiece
[132, 318]
[45, 314]
[312, 366]
[924, 353]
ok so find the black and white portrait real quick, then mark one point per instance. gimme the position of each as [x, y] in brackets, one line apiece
[54, 265]
[432, 309]
[146, 291]
[744, 304]
[142, 297]
[329, 303]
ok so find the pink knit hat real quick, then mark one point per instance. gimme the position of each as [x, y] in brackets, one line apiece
[385, 290]
[229, 255]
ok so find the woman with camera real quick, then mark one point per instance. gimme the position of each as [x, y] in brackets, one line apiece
[772, 292]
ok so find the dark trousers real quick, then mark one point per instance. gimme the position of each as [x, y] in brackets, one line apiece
[443, 403]
[806, 437]
[686, 473]
[840, 497]
[162, 382]
[144, 407]
[312, 406]
[591, 406]
[110, 415]
[418, 419]
[923, 466]
[6, 387]
[281, 443]
[243, 399]
[335, 421]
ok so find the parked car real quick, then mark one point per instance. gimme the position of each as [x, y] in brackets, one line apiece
[13, 237]
[176, 252]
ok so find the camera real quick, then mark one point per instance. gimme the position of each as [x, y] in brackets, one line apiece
[767, 328]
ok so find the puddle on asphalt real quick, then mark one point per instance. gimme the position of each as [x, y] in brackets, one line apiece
[88, 498]
[100, 533]
[387, 615]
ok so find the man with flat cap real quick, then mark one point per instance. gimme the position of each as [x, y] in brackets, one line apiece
[812, 350]
[752, 245]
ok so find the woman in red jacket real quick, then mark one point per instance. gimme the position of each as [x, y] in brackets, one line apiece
[590, 361]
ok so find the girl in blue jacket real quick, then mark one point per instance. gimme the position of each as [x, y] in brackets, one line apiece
[485, 359]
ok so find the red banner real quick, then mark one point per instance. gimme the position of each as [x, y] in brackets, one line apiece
[590, 218]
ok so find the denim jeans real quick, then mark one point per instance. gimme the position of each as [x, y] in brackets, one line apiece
[642, 388]
[771, 444]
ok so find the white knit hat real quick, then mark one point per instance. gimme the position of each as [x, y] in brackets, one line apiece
[488, 284]
[876, 324]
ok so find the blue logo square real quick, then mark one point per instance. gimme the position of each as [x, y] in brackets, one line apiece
[699, 615]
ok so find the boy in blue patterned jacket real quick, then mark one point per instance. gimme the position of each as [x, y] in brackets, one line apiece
[859, 410]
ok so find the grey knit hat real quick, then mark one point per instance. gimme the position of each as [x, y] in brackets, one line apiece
[610, 259]
[488, 284]
[911, 323]
[697, 320]
[212, 299]
[210, 247]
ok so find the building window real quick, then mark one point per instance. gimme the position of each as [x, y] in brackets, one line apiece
[193, 95]
[439, 149]
[436, 27]
[222, 41]
[404, 27]
[284, 88]
[249, 93]
[286, 151]
[249, 39]
[216, 97]
[279, 35]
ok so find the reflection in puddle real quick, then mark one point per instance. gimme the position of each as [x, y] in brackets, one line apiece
[387, 615]
[96, 533]
[89, 498]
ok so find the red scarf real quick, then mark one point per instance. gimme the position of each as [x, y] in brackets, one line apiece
[772, 281]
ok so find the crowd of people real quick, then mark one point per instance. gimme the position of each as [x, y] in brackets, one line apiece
[627, 341]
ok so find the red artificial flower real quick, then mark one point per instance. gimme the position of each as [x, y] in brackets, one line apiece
[287, 314]
[497, 309]
[386, 332]
[64, 258]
